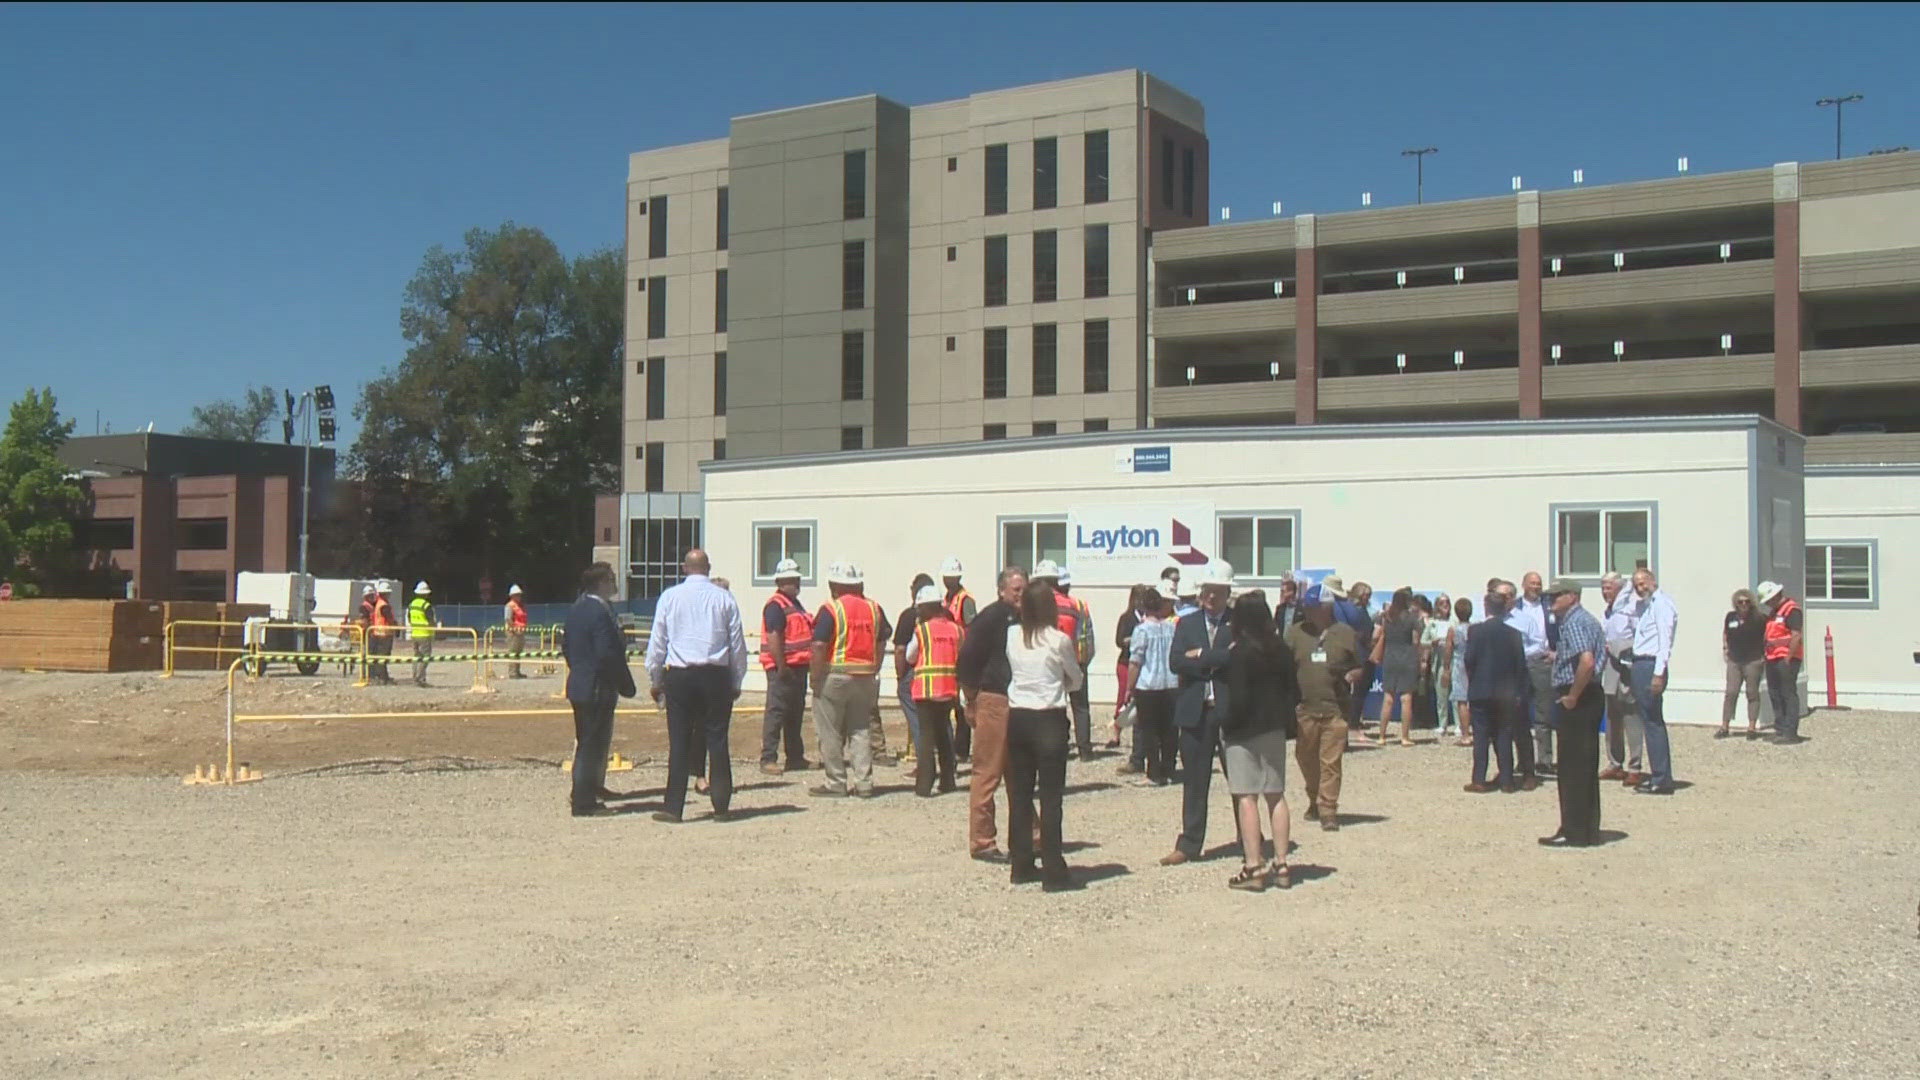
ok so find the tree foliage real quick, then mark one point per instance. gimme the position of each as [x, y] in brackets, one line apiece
[481, 453]
[246, 420]
[39, 502]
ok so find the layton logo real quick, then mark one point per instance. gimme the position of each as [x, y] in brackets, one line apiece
[1182, 550]
[1129, 538]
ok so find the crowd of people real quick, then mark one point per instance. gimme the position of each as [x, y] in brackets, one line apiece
[1528, 680]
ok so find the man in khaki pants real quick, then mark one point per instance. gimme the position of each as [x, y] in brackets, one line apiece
[1326, 653]
[984, 675]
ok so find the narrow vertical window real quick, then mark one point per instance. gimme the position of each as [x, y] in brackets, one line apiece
[1095, 364]
[1096, 261]
[720, 220]
[994, 363]
[1186, 181]
[997, 178]
[1046, 170]
[657, 227]
[1166, 172]
[1046, 266]
[853, 275]
[656, 307]
[995, 271]
[1096, 167]
[1046, 360]
[656, 388]
[854, 185]
[720, 301]
[853, 366]
[719, 384]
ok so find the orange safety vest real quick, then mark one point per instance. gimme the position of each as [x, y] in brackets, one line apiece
[937, 676]
[517, 615]
[855, 636]
[383, 615]
[1780, 636]
[957, 606]
[1071, 615]
[797, 635]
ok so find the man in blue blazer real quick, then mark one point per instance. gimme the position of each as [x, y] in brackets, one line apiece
[597, 676]
[1199, 656]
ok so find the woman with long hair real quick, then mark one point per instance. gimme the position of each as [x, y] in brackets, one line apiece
[1262, 691]
[1457, 660]
[1434, 670]
[1744, 648]
[1137, 600]
[1396, 649]
[1045, 669]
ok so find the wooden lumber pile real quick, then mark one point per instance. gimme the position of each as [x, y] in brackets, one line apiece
[187, 639]
[82, 635]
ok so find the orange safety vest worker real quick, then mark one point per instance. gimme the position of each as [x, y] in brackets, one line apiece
[855, 646]
[1780, 636]
[1072, 616]
[957, 606]
[516, 614]
[937, 675]
[797, 634]
[382, 615]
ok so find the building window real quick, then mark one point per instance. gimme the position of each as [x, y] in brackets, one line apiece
[1046, 360]
[719, 449]
[657, 227]
[995, 271]
[997, 178]
[852, 438]
[1046, 266]
[953, 164]
[777, 540]
[1098, 423]
[105, 534]
[1843, 573]
[994, 363]
[853, 275]
[720, 301]
[1096, 167]
[656, 466]
[1260, 545]
[1094, 362]
[1026, 541]
[853, 366]
[993, 431]
[656, 388]
[656, 307]
[1045, 427]
[951, 342]
[953, 253]
[854, 185]
[200, 534]
[720, 220]
[1096, 259]
[1046, 171]
[1592, 541]
[1186, 181]
[656, 547]
[719, 384]
[1166, 172]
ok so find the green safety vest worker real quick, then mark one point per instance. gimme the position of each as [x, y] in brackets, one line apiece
[420, 618]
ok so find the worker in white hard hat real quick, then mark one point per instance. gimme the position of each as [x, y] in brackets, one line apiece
[374, 612]
[1785, 648]
[786, 650]
[1199, 655]
[1077, 623]
[932, 661]
[959, 604]
[421, 621]
[849, 632]
[516, 625]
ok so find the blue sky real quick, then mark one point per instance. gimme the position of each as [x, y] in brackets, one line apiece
[198, 198]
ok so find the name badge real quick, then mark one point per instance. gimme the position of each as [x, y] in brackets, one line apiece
[1319, 656]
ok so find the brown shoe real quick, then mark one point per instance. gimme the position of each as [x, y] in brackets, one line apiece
[1478, 788]
[1175, 857]
[773, 768]
[1614, 774]
[1635, 779]
[1329, 823]
[1530, 783]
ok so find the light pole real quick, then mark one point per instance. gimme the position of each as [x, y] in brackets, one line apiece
[1839, 110]
[1419, 157]
[317, 400]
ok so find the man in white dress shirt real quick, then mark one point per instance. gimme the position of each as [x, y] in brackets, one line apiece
[1655, 621]
[1529, 615]
[696, 662]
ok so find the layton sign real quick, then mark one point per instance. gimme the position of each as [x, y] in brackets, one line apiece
[1130, 545]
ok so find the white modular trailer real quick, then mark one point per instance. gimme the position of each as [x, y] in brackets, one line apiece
[1863, 554]
[1711, 503]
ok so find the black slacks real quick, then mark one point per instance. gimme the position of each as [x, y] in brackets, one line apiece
[699, 712]
[1198, 745]
[1154, 741]
[592, 736]
[786, 704]
[1036, 761]
[1579, 774]
[935, 751]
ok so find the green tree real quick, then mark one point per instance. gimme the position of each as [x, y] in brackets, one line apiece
[481, 453]
[246, 420]
[39, 502]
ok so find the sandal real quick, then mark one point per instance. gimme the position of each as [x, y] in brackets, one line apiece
[700, 785]
[1722, 733]
[1281, 875]
[1249, 879]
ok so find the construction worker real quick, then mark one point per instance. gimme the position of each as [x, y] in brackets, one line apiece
[903, 670]
[933, 657]
[516, 616]
[1785, 649]
[786, 649]
[1077, 623]
[420, 623]
[960, 606]
[376, 616]
[844, 672]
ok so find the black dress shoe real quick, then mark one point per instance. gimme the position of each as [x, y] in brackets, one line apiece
[1559, 840]
[670, 819]
[1648, 788]
[720, 815]
[1024, 875]
[1061, 882]
[992, 855]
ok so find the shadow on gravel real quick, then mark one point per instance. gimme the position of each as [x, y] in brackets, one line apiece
[1099, 872]
[1608, 836]
[1220, 851]
[883, 790]
[1362, 819]
[627, 808]
[1091, 785]
[744, 813]
[643, 793]
[1305, 872]
[1070, 846]
[759, 785]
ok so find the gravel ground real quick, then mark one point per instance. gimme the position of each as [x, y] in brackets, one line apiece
[1760, 923]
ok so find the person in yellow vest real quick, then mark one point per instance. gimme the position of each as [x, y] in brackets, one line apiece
[959, 604]
[420, 623]
[786, 648]
[934, 657]
[849, 632]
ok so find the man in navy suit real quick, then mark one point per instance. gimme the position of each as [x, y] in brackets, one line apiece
[1199, 657]
[597, 676]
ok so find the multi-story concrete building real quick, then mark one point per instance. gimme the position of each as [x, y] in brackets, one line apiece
[1792, 292]
[861, 274]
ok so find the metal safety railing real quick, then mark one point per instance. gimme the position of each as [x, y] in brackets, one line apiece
[248, 651]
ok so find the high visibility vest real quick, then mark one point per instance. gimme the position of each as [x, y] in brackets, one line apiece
[937, 676]
[856, 649]
[797, 634]
[957, 606]
[383, 617]
[420, 618]
[1073, 621]
[516, 615]
[1780, 637]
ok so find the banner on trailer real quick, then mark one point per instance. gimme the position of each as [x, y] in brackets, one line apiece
[1131, 544]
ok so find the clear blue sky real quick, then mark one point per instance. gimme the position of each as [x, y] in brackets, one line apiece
[192, 199]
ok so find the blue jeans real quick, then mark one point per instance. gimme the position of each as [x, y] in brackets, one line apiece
[905, 695]
[1653, 718]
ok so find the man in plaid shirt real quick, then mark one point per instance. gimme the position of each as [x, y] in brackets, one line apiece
[1577, 704]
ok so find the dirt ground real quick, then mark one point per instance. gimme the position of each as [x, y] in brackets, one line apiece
[444, 919]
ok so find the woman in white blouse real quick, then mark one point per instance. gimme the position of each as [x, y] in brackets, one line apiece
[1045, 670]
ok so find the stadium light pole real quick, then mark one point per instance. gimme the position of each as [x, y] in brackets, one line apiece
[1839, 110]
[1419, 157]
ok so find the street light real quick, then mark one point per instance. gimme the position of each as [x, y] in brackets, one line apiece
[311, 405]
[1419, 157]
[1839, 109]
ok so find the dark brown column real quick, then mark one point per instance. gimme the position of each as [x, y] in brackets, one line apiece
[1531, 397]
[1306, 322]
[1786, 295]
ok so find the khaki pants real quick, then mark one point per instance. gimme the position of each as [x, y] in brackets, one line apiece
[516, 643]
[842, 715]
[422, 648]
[989, 767]
[1321, 751]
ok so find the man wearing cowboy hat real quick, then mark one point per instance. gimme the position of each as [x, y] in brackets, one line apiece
[1199, 658]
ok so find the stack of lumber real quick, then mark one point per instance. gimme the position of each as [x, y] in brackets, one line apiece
[82, 635]
[188, 638]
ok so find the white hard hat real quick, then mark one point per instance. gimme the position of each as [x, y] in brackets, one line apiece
[951, 567]
[1767, 590]
[1216, 574]
[1066, 576]
[367, 591]
[515, 591]
[422, 589]
[929, 594]
[787, 570]
[845, 573]
[1046, 568]
[1168, 589]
